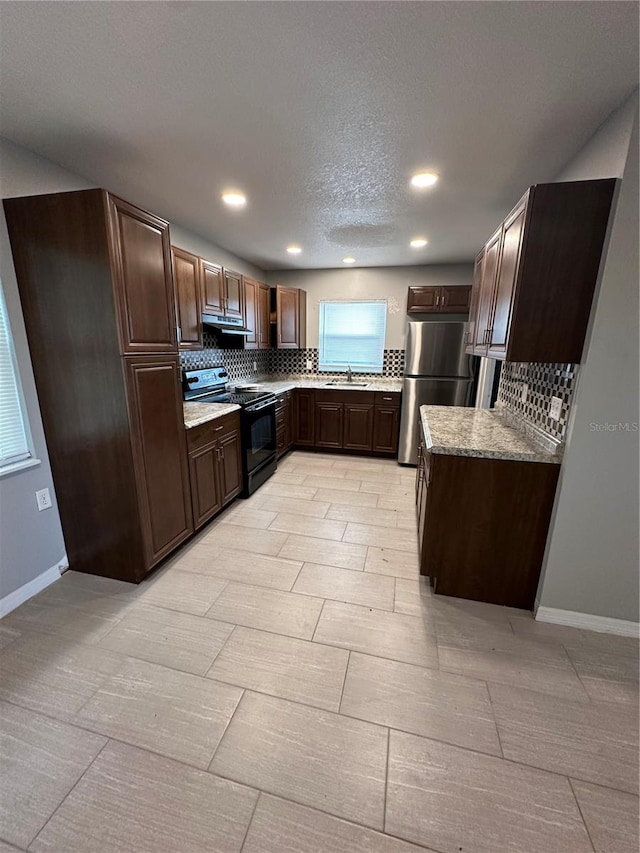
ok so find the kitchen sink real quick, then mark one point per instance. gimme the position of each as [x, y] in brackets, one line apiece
[336, 383]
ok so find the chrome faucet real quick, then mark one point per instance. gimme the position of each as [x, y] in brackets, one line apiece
[349, 373]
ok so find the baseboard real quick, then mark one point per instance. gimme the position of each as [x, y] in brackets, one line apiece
[33, 587]
[587, 621]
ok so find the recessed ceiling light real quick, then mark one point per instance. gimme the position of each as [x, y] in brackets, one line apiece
[418, 242]
[424, 179]
[294, 250]
[234, 199]
[348, 260]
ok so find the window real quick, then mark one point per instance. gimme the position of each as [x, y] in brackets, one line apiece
[14, 442]
[352, 334]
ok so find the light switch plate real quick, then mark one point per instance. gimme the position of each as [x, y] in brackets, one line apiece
[43, 499]
[309, 364]
[524, 392]
[555, 408]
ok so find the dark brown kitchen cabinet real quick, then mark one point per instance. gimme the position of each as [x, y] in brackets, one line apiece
[93, 273]
[215, 466]
[256, 313]
[142, 280]
[539, 272]
[358, 426]
[438, 300]
[304, 417]
[329, 424]
[188, 290]
[490, 549]
[284, 423]
[386, 426]
[159, 457]
[212, 288]
[233, 294]
[288, 317]
[469, 335]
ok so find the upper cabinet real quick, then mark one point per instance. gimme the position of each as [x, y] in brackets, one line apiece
[437, 300]
[187, 281]
[142, 280]
[288, 317]
[233, 294]
[256, 313]
[534, 280]
[212, 288]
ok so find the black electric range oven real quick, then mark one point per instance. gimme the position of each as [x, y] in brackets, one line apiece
[257, 420]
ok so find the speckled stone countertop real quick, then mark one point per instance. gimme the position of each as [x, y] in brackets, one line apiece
[483, 433]
[199, 413]
[278, 384]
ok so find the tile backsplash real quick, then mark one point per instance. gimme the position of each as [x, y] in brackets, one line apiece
[543, 381]
[240, 362]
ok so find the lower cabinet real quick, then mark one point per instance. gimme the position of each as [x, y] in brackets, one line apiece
[482, 525]
[386, 426]
[359, 421]
[304, 417]
[285, 420]
[215, 466]
[329, 424]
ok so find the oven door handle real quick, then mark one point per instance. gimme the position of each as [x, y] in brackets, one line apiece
[257, 406]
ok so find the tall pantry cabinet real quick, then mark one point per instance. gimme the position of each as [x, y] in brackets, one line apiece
[95, 281]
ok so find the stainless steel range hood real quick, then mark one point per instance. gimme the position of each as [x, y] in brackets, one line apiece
[226, 325]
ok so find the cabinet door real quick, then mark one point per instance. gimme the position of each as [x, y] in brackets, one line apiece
[186, 277]
[469, 335]
[141, 261]
[487, 288]
[304, 418]
[160, 458]
[385, 429]
[263, 317]
[512, 233]
[455, 300]
[423, 300]
[205, 484]
[230, 466]
[251, 313]
[233, 294]
[287, 317]
[212, 288]
[358, 427]
[329, 424]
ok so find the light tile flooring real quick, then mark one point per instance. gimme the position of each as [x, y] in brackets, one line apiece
[288, 684]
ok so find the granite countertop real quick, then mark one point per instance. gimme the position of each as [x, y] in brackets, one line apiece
[199, 413]
[482, 433]
[280, 384]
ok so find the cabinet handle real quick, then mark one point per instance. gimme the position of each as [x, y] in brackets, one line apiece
[217, 429]
[179, 333]
[437, 299]
[389, 399]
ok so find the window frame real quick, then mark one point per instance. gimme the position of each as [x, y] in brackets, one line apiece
[338, 368]
[10, 465]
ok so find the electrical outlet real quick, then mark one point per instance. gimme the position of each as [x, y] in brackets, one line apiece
[555, 408]
[255, 366]
[43, 499]
[309, 364]
[524, 393]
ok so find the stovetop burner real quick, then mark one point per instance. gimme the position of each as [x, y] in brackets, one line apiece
[210, 386]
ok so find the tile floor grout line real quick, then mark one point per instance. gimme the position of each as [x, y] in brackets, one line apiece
[577, 802]
[495, 721]
[315, 630]
[253, 814]
[344, 681]
[224, 731]
[70, 791]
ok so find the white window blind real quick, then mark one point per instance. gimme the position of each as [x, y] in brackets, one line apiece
[352, 334]
[14, 445]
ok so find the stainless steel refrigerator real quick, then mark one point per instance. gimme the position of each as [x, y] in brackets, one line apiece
[437, 372]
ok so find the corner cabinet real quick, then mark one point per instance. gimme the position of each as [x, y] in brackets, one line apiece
[215, 466]
[96, 285]
[438, 300]
[534, 280]
[288, 317]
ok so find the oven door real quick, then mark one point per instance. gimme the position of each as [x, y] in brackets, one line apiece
[259, 435]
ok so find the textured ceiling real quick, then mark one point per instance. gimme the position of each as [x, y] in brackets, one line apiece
[319, 111]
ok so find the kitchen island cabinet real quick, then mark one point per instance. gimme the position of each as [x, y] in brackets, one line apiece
[95, 281]
[484, 495]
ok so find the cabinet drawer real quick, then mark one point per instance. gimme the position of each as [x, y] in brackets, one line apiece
[281, 418]
[388, 399]
[331, 396]
[204, 434]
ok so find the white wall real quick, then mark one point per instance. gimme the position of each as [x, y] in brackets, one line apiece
[30, 541]
[591, 563]
[369, 283]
